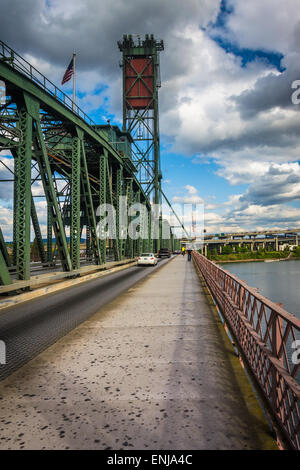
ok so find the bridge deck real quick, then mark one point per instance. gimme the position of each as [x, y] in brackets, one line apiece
[153, 369]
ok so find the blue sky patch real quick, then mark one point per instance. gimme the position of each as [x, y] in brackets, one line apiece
[247, 55]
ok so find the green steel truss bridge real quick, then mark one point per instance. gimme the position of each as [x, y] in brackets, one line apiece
[78, 164]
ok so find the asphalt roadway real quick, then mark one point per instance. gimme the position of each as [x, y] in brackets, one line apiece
[31, 327]
[152, 369]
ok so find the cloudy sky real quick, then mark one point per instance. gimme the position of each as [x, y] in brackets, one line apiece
[229, 130]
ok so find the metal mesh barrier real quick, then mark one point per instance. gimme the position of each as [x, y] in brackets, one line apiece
[267, 335]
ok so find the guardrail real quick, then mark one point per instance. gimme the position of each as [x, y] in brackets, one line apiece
[267, 335]
[17, 62]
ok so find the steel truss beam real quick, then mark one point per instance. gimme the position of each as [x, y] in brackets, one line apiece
[140, 109]
[41, 156]
[89, 205]
[129, 195]
[44, 135]
[23, 195]
[37, 231]
[103, 165]
[3, 249]
[117, 175]
[4, 262]
[49, 234]
[5, 277]
[75, 204]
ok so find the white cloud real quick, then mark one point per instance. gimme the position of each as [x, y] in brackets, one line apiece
[267, 24]
[191, 189]
[211, 108]
[191, 198]
[278, 185]
[6, 217]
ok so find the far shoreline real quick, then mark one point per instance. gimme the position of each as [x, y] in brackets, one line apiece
[255, 260]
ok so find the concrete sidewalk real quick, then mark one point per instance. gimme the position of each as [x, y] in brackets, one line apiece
[152, 370]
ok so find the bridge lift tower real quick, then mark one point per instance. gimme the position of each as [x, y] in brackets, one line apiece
[141, 81]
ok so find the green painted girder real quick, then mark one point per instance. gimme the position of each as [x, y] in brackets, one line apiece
[117, 177]
[50, 104]
[23, 196]
[150, 239]
[75, 204]
[50, 193]
[139, 241]
[5, 277]
[65, 161]
[147, 221]
[14, 248]
[89, 253]
[6, 143]
[129, 195]
[3, 249]
[89, 205]
[49, 234]
[37, 231]
[103, 164]
[147, 155]
[111, 200]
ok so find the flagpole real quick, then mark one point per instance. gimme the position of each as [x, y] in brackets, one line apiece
[74, 80]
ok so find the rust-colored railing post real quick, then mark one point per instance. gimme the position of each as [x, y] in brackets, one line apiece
[274, 346]
[277, 334]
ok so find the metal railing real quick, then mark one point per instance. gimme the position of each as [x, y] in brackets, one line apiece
[267, 336]
[18, 63]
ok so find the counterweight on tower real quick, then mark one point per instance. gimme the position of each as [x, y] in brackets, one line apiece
[141, 80]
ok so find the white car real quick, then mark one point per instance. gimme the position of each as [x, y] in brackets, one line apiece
[147, 258]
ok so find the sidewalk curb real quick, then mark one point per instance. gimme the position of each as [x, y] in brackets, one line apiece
[18, 299]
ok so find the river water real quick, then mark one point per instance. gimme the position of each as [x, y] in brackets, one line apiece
[279, 281]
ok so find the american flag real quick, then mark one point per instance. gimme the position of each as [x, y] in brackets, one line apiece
[69, 72]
